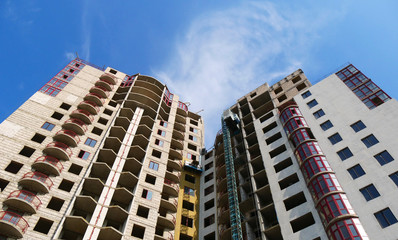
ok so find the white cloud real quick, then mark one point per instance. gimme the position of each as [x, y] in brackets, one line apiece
[226, 54]
[70, 56]
[86, 31]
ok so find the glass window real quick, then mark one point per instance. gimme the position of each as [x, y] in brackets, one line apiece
[194, 130]
[383, 158]
[159, 142]
[385, 217]
[306, 94]
[358, 126]
[345, 153]
[153, 165]
[193, 138]
[335, 138]
[326, 125]
[163, 124]
[83, 155]
[319, 113]
[312, 103]
[394, 178]
[356, 171]
[189, 191]
[48, 126]
[161, 133]
[370, 140]
[146, 194]
[90, 142]
[369, 192]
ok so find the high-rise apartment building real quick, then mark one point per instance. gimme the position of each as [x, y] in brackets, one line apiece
[99, 154]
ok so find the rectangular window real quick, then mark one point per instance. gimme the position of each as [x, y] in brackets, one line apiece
[370, 140]
[209, 220]
[335, 138]
[90, 142]
[163, 124]
[188, 205]
[159, 142]
[146, 194]
[190, 178]
[189, 191]
[161, 133]
[186, 221]
[356, 171]
[358, 126]
[193, 138]
[385, 217]
[48, 126]
[83, 155]
[153, 165]
[306, 94]
[209, 204]
[345, 153]
[194, 130]
[190, 156]
[326, 125]
[383, 157]
[369, 192]
[209, 190]
[394, 178]
[208, 166]
[312, 103]
[319, 113]
[209, 177]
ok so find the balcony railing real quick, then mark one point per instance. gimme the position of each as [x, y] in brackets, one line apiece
[27, 197]
[77, 122]
[172, 184]
[69, 133]
[15, 219]
[183, 106]
[95, 95]
[62, 146]
[92, 104]
[40, 177]
[51, 160]
[85, 113]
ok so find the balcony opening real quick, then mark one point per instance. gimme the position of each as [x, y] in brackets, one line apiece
[55, 204]
[209, 177]
[113, 71]
[97, 131]
[102, 121]
[288, 181]
[150, 179]
[108, 112]
[57, 115]
[294, 201]
[190, 178]
[65, 106]
[27, 151]
[138, 231]
[284, 164]
[66, 185]
[192, 147]
[301, 87]
[302, 222]
[3, 184]
[277, 151]
[188, 205]
[273, 138]
[112, 103]
[38, 138]
[75, 169]
[13, 167]
[193, 122]
[296, 79]
[209, 220]
[142, 211]
[209, 190]
[266, 117]
[269, 127]
[43, 225]
[156, 153]
[210, 236]
[209, 204]
[282, 98]
[278, 90]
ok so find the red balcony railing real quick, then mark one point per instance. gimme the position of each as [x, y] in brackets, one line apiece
[51, 160]
[102, 80]
[77, 122]
[15, 220]
[171, 184]
[62, 146]
[40, 177]
[98, 96]
[103, 89]
[26, 196]
[70, 133]
[183, 106]
[84, 112]
[95, 106]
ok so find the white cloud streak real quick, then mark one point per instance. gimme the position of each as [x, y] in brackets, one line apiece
[226, 54]
[86, 31]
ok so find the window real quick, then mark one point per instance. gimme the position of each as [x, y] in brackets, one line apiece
[90, 142]
[209, 220]
[209, 190]
[138, 231]
[209, 177]
[112, 103]
[189, 191]
[358, 126]
[3, 184]
[159, 142]
[190, 178]
[356, 171]
[190, 156]
[394, 177]
[83, 155]
[27, 151]
[385, 217]
[75, 169]
[208, 166]
[108, 112]
[146, 194]
[209, 204]
[369, 192]
[113, 71]
[188, 205]
[55, 204]
[210, 236]
[193, 138]
[319, 113]
[65, 185]
[186, 221]
[48, 126]
[369, 141]
[161, 133]
[312, 103]
[192, 147]
[142, 211]
[194, 130]
[345, 153]
[65, 106]
[306, 94]
[150, 179]
[97, 131]
[13, 167]
[57, 115]
[43, 225]
[103, 121]
[153, 165]
[326, 125]
[38, 138]
[156, 153]
[335, 138]
[163, 124]
[383, 158]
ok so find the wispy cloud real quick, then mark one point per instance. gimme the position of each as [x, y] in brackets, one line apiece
[21, 14]
[226, 54]
[69, 56]
[86, 31]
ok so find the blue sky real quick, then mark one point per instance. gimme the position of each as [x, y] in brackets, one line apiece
[208, 52]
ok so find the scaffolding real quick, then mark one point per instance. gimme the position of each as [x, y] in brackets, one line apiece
[235, 216]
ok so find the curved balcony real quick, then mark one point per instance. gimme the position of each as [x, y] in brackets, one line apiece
[68, 137]
[122, 197]
[83, 115]
[48, 165]
[23, 201]
[170, 204]
[37, 182]
[108, 78]
[89, 106]
[58, 150]
[174, 176]
[178, 134]
[148, 85]
[223, 215]
[176, 154]
[164, 236]
[76, 125]
[180, 119]
[12, 224]
[77, 225]
[147, 92]
[109, 232]
[175, 164]
[97, 99]
[179, 127]
[223, 199]
[101, 91]
[225, 232]
[168, 221]
[171, 188]
[177, 144]
[105, 84]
